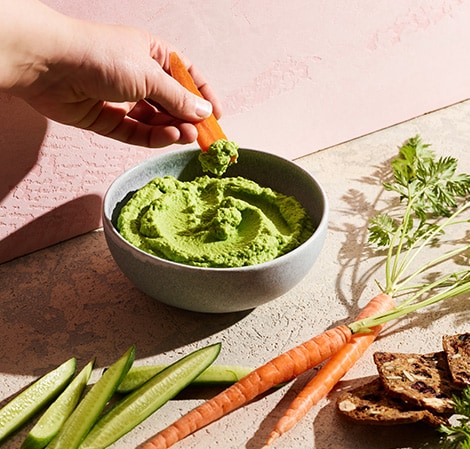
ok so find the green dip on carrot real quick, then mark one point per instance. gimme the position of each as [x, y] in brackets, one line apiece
[213, 222]
[219, 156]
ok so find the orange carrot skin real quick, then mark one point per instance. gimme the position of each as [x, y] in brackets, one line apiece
[330, 374]
[209, 130]
[280, 369]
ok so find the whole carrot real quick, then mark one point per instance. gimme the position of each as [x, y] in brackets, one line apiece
[280, 369]
[209, 130]
[336, 367]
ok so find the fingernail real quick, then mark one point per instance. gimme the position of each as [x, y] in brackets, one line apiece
[203, 108]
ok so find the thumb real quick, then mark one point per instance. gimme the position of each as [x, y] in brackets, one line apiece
[178, 101]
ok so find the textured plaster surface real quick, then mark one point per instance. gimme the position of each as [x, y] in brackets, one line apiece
[294, 78]
[72, 300]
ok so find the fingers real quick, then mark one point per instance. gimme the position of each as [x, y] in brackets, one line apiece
[152, 136]
[143, 125]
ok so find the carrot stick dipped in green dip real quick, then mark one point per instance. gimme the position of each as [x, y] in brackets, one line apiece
[213, 222]
[217, 152]
[219, 156]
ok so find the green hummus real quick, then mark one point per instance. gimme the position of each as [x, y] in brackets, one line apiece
[219, 156]
[213, 222]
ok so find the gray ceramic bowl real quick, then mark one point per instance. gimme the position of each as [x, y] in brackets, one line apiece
[217, 290]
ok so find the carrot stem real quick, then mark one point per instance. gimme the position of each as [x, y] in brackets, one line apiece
[209, 130]
[281, 369]
[461, 285]
[331, 373]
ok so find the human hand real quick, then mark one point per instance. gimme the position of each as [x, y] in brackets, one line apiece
[112, 80]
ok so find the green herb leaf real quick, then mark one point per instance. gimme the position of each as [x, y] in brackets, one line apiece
[412, 152]
[458, 435]
[381, 229]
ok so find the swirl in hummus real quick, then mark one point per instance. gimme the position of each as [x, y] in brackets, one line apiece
[213, 222]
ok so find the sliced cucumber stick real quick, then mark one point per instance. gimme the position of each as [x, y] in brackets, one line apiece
[54, 417]
[213, 375]
[90, 407]
[31, 400]
[144, 401]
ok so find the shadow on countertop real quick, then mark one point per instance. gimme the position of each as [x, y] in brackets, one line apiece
[72, 300]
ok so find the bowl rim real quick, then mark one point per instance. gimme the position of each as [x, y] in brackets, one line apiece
[321, 228]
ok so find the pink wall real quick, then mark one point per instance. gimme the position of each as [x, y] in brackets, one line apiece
[294, 77]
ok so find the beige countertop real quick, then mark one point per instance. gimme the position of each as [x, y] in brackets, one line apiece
[72, 300]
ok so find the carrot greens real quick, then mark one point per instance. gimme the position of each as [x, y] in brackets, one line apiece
[433, 199]
[457, 436]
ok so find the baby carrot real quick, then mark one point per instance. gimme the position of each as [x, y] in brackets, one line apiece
[209, 130]
[281, 369]
[336, 367]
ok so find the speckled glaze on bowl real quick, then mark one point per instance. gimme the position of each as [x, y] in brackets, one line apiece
[217, 290]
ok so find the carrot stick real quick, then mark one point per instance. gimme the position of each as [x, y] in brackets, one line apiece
[336, 367]
[281, 369]
[209, 130]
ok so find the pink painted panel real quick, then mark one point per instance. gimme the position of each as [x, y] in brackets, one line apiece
[294, 77]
